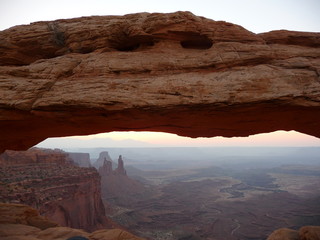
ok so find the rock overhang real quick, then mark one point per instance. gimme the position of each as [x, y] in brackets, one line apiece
[176, 72]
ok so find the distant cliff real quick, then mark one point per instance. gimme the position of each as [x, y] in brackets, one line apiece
[49, 182]
[80, 159]
[34, 156]
[102, 157]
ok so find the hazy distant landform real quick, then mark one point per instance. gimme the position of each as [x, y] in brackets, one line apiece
[169, 193]
[216, 193]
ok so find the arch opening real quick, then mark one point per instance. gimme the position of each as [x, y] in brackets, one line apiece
[162, 139]
[196, 177]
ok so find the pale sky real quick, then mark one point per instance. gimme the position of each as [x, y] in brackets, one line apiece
[155, 139]
[255, 15]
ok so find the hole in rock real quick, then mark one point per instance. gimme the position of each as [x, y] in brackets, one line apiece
[161, 139]
[200, 42]
[129, 47]
[132, 43]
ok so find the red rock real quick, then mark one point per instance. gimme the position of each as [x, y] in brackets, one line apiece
[65, 193]
[15, 227]
[113, 234]
[22, 214]
[284, 234]
[309, 233]
[304, 233]
[61, 233]
[33, 156]
[291, 38]
[175, 72]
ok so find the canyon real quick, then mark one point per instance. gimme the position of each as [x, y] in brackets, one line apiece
[66, 198]
[236, 198]
[246, 199]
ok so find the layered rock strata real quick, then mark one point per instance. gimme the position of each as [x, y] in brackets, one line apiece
[173, 72]
[63, 192]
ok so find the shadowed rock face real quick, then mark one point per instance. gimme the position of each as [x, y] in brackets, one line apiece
[175, 72]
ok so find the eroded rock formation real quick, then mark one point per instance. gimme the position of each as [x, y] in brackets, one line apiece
[120, 169]
[175, 72]
[63, 192]
[106, 168]
[103, 156]
[21, 222]
[116, 186]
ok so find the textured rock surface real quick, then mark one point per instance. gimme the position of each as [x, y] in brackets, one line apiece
[284, 234]
[16, 223]
[175, 72]
[23, 214]
[67, 194]
[304, 233]
[309, 233]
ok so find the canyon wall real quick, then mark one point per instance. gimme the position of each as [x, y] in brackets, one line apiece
[174, 72]
[47, 181]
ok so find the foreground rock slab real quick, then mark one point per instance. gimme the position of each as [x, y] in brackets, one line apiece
[176, 73]
[304, 233]
[20, 222]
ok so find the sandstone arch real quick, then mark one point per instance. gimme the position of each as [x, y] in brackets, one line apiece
[175, 72]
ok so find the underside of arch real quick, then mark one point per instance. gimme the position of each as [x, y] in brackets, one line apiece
[176, 73]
